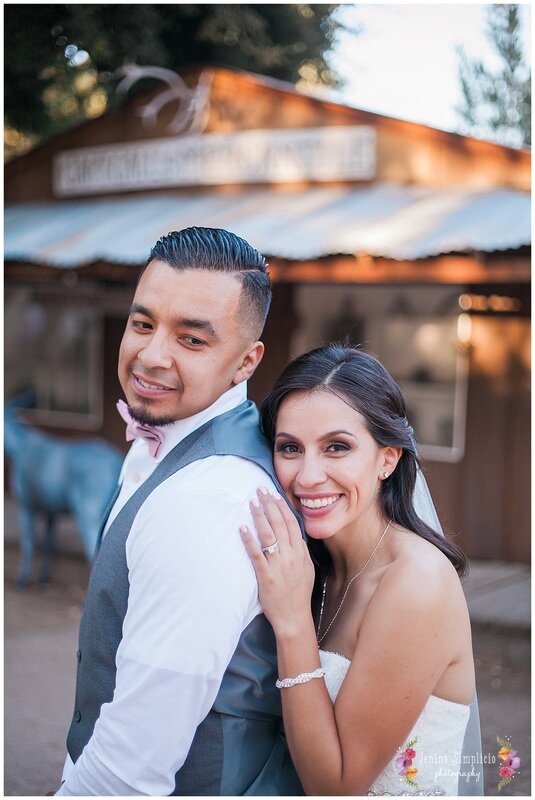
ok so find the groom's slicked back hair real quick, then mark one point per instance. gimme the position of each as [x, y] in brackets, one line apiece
[222, 251]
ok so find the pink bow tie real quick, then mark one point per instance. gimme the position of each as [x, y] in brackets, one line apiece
[137, 430]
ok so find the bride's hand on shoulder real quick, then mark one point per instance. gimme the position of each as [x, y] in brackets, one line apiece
[282, 563]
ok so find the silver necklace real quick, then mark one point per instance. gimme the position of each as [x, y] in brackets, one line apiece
[354, 578]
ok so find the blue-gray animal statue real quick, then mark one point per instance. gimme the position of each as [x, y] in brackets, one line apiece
[51, 476]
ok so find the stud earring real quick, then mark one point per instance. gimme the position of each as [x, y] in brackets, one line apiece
[385, 474]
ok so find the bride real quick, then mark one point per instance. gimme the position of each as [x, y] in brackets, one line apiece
[376, 680]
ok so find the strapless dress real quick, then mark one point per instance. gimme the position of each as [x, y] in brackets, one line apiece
[428, 763]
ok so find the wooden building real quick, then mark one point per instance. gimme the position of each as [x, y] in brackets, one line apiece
[411, 240]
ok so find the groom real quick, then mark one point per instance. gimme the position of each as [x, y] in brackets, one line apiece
[176, 664]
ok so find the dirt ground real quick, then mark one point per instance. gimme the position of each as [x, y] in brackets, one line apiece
[41, 629]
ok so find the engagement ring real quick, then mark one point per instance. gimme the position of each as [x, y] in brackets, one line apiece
[271, 548]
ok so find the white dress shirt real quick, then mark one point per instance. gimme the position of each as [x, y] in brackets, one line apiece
[192, 592]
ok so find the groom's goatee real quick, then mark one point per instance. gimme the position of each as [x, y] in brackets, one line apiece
[146, 418]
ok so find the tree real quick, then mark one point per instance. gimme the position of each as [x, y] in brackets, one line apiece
[60, 58]
[497, 104]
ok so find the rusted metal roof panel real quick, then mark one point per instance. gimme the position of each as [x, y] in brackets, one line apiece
[382, 220]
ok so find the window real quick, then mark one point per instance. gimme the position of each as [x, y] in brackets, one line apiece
[423, 354]
[53, 349]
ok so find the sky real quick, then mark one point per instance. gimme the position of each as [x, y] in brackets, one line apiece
[404, 64]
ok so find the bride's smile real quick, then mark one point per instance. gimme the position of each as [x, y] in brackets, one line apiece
[329, 464]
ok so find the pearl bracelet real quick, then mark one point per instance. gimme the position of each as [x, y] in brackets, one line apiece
[304, 677]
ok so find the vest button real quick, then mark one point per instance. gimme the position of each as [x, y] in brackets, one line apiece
[78, 655]
[77, 716]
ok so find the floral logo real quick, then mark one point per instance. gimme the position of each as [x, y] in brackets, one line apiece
[404, 763]
[511, 762]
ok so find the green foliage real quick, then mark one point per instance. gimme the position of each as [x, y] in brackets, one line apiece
[497, 103]
[503, 742]
[45, 91]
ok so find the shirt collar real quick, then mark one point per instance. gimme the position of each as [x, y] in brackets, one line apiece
[176, 431]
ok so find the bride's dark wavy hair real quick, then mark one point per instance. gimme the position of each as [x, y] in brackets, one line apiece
[361, 381]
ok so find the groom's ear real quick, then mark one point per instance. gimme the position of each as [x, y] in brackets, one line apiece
[389, 460]
[250, 360]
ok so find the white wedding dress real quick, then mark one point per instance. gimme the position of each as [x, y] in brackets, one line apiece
[439, 734]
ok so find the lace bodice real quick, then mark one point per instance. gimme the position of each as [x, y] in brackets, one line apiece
[436, 741]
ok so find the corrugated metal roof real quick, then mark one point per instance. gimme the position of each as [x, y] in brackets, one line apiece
[392, 221]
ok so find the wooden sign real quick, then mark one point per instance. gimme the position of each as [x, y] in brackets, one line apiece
[248, 157]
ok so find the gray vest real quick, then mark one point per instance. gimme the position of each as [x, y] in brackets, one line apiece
[239, 748]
